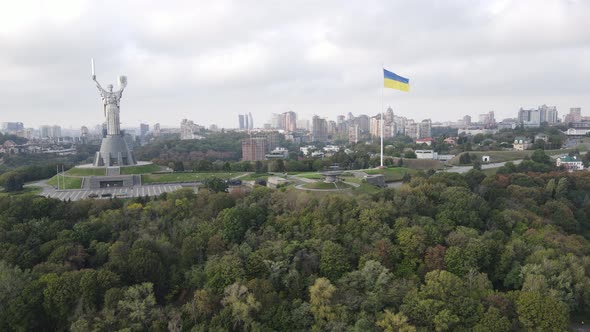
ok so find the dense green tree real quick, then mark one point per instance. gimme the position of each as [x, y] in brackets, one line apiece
[321, 303]
[461, 207]
[242, 305]
[215, 184]
[333, 260]
[456, 252]
[138, 306]
[395, 322]
[539, 312]
[223, 271]
[61, 295]
[93, 286]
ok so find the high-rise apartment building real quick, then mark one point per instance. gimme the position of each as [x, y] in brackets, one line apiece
[50, 131]
[389, 115]
[289, 121]
[488, 120]
[12, 127]
[303, 124]
[389, 128]
[575, 115]
[425, 129]
[548, 114]
[188, 129]
[543, 114]
[275, 120]
[250, 121]
[157, 130]
[467, 120]
[332, 128]
[529, 117]
[143, 129]
[363, 123]
[254, 148]
[411, 129]
[319, 129]
[241, 121]
[375, 126]
[353, 134]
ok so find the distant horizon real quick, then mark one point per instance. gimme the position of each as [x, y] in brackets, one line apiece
[474, 118]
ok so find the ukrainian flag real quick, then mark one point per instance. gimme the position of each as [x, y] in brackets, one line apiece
[393, 81]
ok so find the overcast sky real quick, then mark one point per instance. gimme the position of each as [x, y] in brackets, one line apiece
[210, 60]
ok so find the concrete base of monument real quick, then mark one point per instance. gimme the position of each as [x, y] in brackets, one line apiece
[114, 176]
[114, 151]
[139, 163]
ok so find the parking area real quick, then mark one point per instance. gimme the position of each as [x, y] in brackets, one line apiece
[106, 193]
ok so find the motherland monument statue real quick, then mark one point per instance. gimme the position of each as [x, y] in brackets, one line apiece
[114, 151]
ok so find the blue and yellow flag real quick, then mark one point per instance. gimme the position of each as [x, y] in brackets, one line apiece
[394, 81]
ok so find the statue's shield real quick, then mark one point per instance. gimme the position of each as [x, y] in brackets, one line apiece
[122, 80]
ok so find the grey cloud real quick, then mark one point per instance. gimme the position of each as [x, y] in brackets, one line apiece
[211, 60]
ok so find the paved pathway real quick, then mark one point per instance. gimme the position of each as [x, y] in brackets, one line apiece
[465, 169]
[106, 193]
[123, 192]
[113, 171]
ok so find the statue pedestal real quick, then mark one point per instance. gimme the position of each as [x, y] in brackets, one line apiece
[114, 152]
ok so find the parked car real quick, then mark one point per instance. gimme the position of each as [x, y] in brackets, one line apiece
[93, 195]
[106, 195]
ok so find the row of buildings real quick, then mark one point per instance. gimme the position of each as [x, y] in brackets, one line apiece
[351, 128]
[18, 129]
[538, 116]
[394, 125]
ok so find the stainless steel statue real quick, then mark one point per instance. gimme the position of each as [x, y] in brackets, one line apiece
[114, 151]
[110, 101]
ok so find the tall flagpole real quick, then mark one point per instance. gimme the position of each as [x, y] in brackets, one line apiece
[382, 122]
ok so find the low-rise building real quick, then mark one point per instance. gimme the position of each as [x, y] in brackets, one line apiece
[570, 163]
[307, 149]
[426, 154]
[317, 154]
[521, 143]
[426, 140]
[278, 153]
[450, 141]
[577, 132]
[542, 137]
[331, 148]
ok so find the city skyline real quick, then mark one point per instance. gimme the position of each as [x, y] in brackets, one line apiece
[462, 57]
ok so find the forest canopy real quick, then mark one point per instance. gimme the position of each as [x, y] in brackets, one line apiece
[447, 252]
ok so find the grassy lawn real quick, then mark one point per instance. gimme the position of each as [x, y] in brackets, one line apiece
[255, 176]
[142, 169]
[32, 190]
[70, 182]
[310, 175]
[184, 177]
[366, 188]
[76, 171]
[392, 174]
